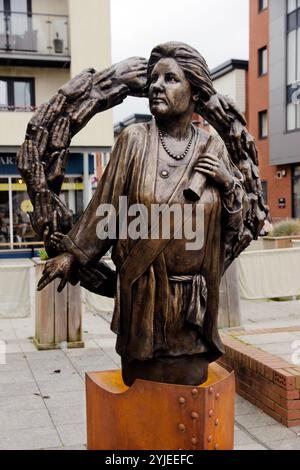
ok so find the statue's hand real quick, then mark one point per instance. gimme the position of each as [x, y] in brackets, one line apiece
[50, 215]
[31, 169]
[215, 168]
[45, 115]
[60, 135]
[78, 85]
[59, 267]
[215, 111]
[26, 158]
[132, 72]
[221, 111]
[56, 170]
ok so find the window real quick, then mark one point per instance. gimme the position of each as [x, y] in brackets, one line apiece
[293, 65]
[292, 5]
[17, 94]
[264, 185]
[262, 5]
[19, 6]
[16, 25]
[263, 124]
[263, 61]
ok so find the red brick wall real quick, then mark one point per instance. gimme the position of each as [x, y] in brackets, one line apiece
[259, 101]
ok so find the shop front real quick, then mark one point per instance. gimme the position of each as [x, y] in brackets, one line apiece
[15, 228]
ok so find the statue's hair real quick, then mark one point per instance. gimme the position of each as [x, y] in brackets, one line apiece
[192, 63]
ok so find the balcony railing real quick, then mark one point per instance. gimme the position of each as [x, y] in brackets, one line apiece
[33, 33]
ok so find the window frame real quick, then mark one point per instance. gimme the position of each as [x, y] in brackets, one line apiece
[7, 7]
[265, 188]
[11, 96]
[261, 6]
[261, 62]
[260, 124]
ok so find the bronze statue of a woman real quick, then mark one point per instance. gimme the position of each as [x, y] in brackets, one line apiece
[166, 296]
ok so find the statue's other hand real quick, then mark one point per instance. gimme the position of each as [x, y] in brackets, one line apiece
[58, 267]
[216, 111]
[132, 72]
[215, 168]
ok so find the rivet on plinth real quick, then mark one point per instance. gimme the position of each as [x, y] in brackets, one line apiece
[195, 392]
[210, 413]
[217, 446]
[211, 390]
[182, 401]
[194, 415]
[181, 427]
[194, 441]
[209, 439]
[217, 422]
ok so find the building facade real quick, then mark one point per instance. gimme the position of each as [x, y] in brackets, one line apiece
[231, 78]
[44, 43]
[274, 97]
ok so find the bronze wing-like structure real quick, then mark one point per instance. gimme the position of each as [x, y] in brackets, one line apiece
[243, 153]
[43, 156]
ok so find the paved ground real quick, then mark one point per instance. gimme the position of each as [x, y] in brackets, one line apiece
[42, 393]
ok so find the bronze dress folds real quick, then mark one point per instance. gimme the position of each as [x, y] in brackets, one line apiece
[167, 296]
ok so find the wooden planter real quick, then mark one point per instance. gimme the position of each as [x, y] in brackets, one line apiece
[158, 416]
[58, 315]
[273, 243]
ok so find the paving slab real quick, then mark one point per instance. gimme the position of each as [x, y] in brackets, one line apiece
[244, 408]
[254, 420]
[72, 434]
[243, 438]
[17, 390]
[22, 419]
[30, 439]
[25, 402]
[286, 444]
[68, 415]
[253, 446]
[60, 384]
[19, 377]
[60, 399]
[272, 433]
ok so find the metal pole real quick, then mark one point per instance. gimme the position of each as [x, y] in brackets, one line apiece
[10, 206]
[87, 187]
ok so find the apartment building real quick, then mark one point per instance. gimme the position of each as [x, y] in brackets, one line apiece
[43, 43]
[231, 78]
[274, 96]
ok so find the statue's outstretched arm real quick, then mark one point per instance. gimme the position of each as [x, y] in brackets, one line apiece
[42, 158]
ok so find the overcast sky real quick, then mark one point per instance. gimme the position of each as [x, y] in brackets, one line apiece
[217, 28]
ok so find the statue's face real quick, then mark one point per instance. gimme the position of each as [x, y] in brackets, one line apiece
[170, 93]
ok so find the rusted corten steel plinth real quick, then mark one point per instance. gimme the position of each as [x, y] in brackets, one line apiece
[157, 416]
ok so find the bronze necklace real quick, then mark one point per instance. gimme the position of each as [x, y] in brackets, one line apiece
[176, 157]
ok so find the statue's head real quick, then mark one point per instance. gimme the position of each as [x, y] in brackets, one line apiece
[183, 64]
